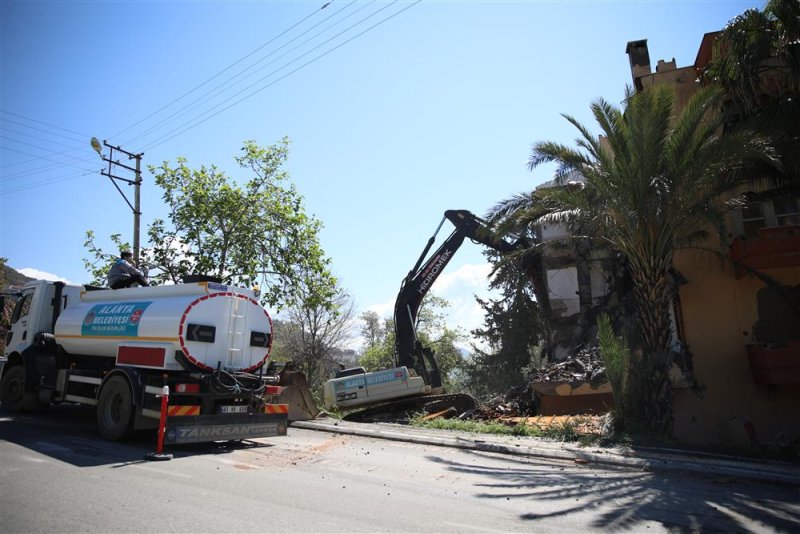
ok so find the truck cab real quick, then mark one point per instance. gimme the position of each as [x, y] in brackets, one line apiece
[35, 312]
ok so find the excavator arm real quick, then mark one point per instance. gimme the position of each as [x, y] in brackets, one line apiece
[409, 351]
[415, 383]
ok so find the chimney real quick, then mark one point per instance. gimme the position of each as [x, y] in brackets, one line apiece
[665, 66]
[639, 58]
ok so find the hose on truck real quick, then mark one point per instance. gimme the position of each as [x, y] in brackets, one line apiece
[238, 382]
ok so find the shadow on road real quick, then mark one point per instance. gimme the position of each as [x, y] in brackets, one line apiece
[630, 499]
[69, 433]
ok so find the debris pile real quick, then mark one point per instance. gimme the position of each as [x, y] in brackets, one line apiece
[519, 401]
[585, 366]
[548, 387]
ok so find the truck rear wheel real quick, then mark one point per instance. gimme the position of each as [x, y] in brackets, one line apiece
[12, 392]
[115, 410]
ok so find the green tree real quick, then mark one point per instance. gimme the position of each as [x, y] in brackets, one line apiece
[432, 331]
[655, 181]
[6, 306]
[512, 328]
[253, 232]
[617, 359]
[314, 334]
[756, 60]
[378, 334]
[757, 57]
[372, 330]
[101, 261]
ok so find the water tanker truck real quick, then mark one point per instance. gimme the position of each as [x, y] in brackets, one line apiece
[209, 343]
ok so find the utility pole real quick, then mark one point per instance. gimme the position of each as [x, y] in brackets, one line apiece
[136, 183]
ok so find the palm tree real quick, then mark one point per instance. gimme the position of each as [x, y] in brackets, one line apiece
[654, 182]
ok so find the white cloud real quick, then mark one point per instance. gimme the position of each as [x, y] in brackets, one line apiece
[459, 288]
[468, 275]
[42, 275]
[383, 309]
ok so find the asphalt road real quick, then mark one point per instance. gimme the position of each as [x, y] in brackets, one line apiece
[57, 475]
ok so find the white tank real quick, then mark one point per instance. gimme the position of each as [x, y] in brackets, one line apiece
[212, 324]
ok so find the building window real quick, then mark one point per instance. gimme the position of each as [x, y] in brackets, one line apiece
[786, 211]
[781, 210]
[753, 218]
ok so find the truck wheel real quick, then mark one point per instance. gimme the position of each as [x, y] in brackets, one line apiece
[12, 392]
[12, 389]
[115, 409]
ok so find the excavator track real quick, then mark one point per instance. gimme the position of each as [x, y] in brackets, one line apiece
[401, 411]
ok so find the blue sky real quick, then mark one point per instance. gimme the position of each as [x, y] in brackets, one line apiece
[419, 108]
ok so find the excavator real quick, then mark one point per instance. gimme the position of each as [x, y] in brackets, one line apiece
[415, 383]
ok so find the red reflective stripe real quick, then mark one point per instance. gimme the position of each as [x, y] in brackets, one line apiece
[146, 356]
[276, 408]
[177, 411]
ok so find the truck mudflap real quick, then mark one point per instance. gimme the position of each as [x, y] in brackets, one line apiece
[219, 427]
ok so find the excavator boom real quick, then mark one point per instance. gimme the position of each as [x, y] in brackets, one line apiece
[416, 373]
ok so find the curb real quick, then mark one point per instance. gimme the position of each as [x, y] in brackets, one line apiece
[649, 460]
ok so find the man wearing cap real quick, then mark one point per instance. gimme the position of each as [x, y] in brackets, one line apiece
[124, 274]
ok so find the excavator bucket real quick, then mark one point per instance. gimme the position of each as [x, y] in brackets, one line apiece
[297, 394]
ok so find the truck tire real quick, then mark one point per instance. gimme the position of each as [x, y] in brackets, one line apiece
[115, 409]
[12, 392]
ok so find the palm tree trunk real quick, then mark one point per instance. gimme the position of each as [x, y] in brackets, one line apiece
[651, 411]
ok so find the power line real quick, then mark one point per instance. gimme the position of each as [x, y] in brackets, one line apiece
[45, 123]
[207, 115]
[301, 21]
[38, 138]
[41, 183]
[37, 129]
[49, 159]
[188, 125]
[28, 172]
[215, 90]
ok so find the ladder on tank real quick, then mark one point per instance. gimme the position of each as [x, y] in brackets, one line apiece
[236, 332]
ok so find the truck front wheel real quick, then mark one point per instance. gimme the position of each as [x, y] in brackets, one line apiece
[12, 389]
[12, 392]
[115, 409]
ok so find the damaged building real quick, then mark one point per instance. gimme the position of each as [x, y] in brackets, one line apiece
[737, 312]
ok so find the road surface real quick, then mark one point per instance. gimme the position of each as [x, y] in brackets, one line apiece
[57, 475]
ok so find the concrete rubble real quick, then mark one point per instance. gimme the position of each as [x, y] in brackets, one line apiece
[577, 386]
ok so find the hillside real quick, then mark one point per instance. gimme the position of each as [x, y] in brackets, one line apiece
[10, 277]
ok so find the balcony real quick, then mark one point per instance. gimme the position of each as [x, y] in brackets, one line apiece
[775, 365]
[773, 248]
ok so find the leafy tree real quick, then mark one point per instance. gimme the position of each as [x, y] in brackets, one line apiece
[432, 331]
[617, 359]
[757, 57]
[251, 233]
[6, 308]
[313, 335]
[372, 330]
[655, 182]
[378, 352]
[101, 262]
[512, 328]
[756, 60]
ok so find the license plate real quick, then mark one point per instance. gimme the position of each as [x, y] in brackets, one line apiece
[233, 409]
